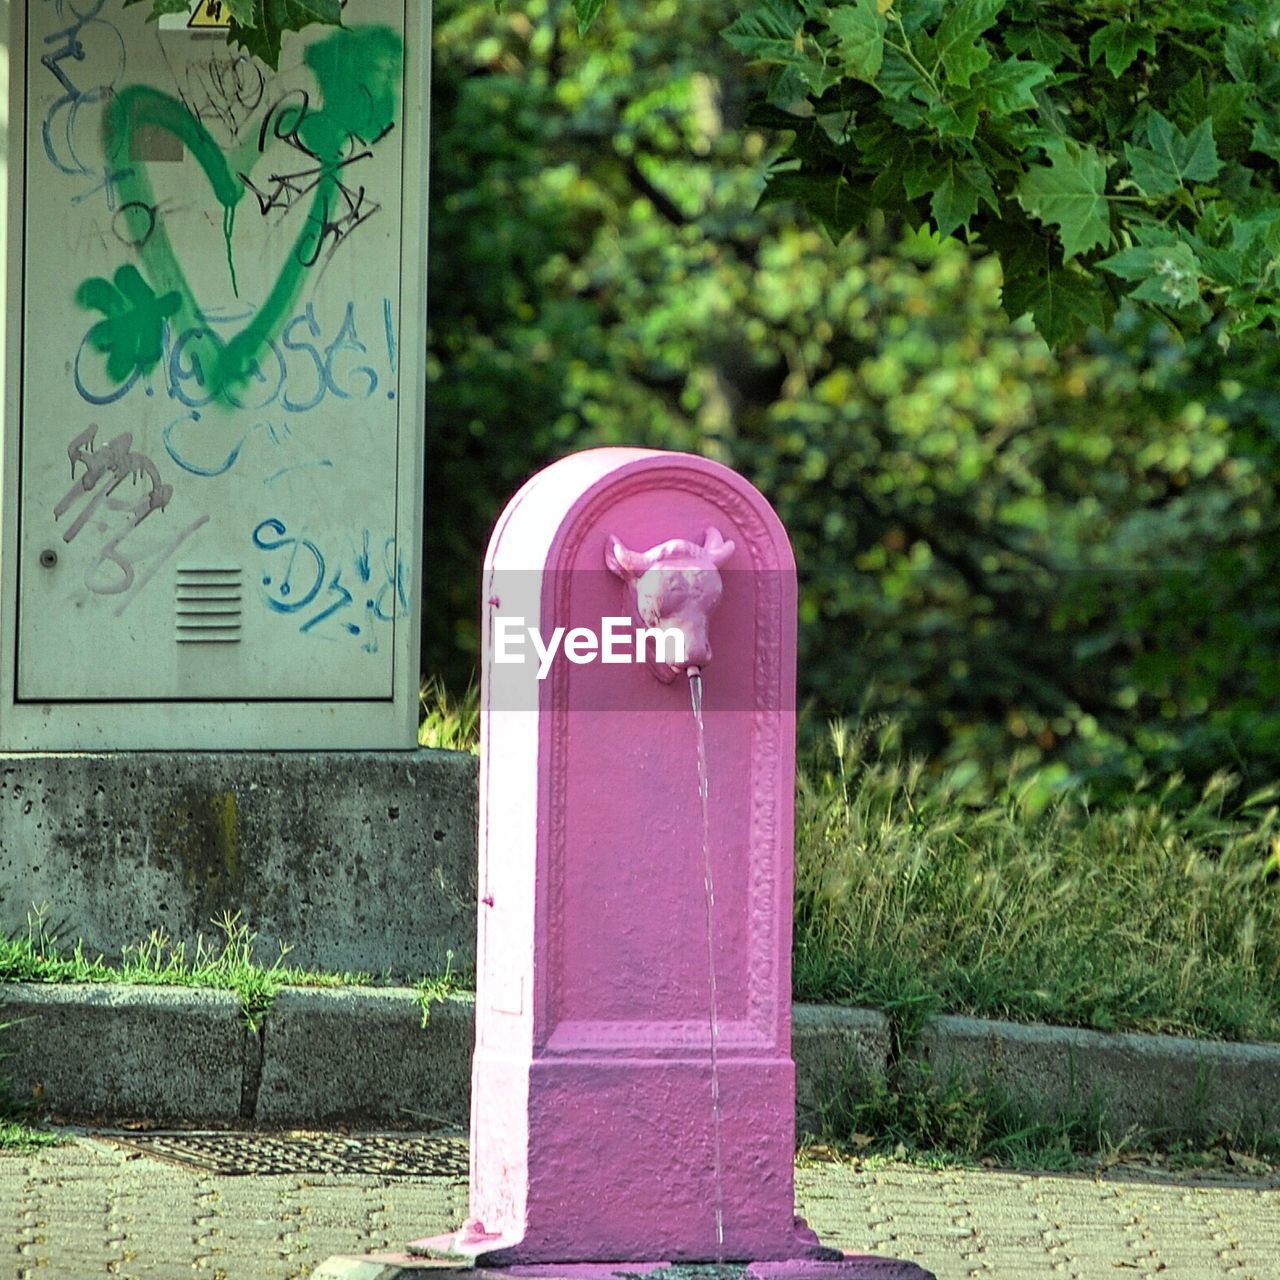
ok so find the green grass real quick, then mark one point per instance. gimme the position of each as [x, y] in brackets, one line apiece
[911, 1115]
[227, 964]
[442, 986]
[447, 722]
[15, 1136]
[954, 1121]
[920, 894]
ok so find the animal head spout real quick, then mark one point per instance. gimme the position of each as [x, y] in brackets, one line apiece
[676, 587]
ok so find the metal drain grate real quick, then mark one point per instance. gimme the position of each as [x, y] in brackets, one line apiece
[263, 1154]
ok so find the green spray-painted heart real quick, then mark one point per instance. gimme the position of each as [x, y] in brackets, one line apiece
[358, 71]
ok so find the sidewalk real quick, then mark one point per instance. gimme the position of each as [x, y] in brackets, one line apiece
[99, 1206]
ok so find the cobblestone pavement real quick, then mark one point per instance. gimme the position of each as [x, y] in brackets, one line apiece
[97, 1207]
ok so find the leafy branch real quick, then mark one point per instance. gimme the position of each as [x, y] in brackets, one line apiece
[1103, 151]
[257, 26]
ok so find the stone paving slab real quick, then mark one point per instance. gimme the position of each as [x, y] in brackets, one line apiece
[94, 1208]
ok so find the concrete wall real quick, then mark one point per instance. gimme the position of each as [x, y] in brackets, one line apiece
[356, 860]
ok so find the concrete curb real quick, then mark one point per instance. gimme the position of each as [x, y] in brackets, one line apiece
[834, 1048]
[123, 1051]
[362, 1056]
[1156, 1084]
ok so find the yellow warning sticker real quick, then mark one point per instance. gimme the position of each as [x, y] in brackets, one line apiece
[210, 14]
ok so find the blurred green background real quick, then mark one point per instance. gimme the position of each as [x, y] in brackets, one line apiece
[1069, 559]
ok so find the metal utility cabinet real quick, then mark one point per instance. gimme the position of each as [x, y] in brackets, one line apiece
[213, 381]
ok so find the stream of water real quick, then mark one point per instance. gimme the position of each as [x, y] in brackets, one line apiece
[695, 695]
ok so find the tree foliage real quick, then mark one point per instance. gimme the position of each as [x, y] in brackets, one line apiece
[1002, 549]
[1102, 149]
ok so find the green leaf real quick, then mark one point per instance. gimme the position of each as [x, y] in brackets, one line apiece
[1119, 44]
[1169, 275]
[955, 120]
[1171, 157]
[831, 200]
[587, 11]
[1044, 45]
[1133, 263]
[919, 175]
[246, 13]
[1245, 55]
[859, 28]
[1068, 193]
[770, 31]
[955, 199]
[261, 39]
[301, 13]
[1064, 303]
[1225, 266]
[956, 41]
[787, 87]
[1008, 87]
[1261, 230]
[898, 76]
[1266, 140]
[920, 15]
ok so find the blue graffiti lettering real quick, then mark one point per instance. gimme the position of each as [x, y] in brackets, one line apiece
[298, 466]
[349, 340]
[195, 468]
[281, 595]
[383, 599]
[344, 600]
[299, 370]
[308, 317]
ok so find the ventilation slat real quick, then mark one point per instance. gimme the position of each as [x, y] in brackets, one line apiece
[208, 604]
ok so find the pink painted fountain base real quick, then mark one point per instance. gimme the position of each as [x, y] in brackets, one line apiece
[633, 1091]
[407, 1266]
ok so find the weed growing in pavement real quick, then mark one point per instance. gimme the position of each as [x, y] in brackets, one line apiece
[228, 964]
[913, 1114]
[918, 893]
[442, 986]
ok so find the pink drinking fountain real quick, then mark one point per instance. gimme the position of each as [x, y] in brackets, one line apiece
[633, 1092]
